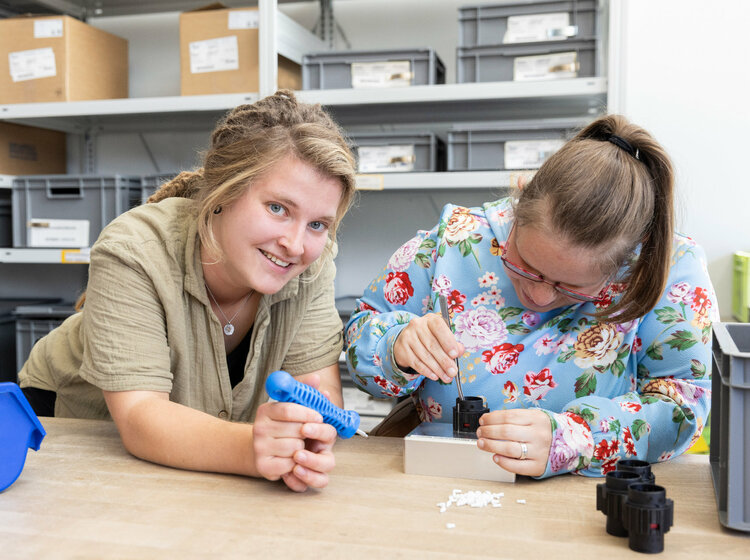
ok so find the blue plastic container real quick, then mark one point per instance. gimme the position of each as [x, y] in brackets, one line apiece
[20, 430]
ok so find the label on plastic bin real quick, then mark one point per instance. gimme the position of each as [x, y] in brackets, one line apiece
[545, 67]
[379, 159]
[386, 74]
[537, 27]
[243, 19]
[529, 154]
[58, 233]
[214, 55]
[369, 182]
[47, 28]
[75, 256]
[32, 64]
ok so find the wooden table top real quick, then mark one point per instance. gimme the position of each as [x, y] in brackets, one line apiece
[83, 496]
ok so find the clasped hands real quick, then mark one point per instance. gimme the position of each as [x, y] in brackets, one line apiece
[292, 443]
[519, 439]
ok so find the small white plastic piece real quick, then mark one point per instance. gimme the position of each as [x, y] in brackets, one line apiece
[450, 525]
[520, 501]
[472, 498]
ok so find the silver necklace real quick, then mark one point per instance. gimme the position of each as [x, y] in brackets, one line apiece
[229, 327]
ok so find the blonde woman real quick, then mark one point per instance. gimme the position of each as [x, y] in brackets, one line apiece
[193, 299]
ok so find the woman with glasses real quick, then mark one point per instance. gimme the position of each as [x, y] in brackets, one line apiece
[578, 314]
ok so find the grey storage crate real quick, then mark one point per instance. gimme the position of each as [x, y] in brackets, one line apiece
[150, 184]
[333, 70]
[487, 24]
[34, 322]
[481, 146]
[429, 150]
[730, 423]
[8, 369]
[495, 63]
[98, 199]
[6, 218]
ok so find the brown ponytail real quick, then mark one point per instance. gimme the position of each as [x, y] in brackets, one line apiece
[612, 194]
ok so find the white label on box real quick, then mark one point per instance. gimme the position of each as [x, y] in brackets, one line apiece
[58, 233]
[32, 65]
[529, 154]
[379, 159]
[369, 182]
[537, 27]
[243, 19]
[214, 55]
[47, 28]
[396, 73]
[545, 67]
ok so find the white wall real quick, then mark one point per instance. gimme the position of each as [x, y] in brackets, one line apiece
[685, 78]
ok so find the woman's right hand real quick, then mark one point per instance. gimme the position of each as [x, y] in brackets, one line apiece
[428, 346]
[291, 442]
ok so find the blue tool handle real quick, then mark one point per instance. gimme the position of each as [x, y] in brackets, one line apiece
[281, 386]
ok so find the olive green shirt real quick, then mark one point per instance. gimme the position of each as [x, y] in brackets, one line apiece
[148, 324]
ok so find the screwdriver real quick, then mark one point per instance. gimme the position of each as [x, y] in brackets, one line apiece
[447, 319]
[282, 387]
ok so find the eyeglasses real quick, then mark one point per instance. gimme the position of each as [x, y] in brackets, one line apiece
[523, 273]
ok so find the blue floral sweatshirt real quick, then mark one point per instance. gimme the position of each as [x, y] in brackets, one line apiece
[639, 389]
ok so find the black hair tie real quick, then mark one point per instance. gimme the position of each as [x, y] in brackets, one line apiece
[623, 145]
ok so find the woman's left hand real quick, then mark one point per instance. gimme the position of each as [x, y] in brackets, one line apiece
[506, 433]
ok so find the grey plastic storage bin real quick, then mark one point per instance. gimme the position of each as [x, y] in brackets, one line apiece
[495, 63]
[730, 423]
[6, 218]
[35, 321]
[482, 146]
[487, 24]
[150, 183]
[8, 368]
[98, 199]
[333, 70]
[428, 150]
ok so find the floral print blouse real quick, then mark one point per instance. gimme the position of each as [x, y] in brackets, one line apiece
[639, 389]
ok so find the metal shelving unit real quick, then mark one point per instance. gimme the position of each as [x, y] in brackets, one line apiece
[446, 103]
[440, 104]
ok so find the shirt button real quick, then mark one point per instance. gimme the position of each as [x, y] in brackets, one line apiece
[223, 414]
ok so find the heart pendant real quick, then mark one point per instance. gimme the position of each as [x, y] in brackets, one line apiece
[229, 329]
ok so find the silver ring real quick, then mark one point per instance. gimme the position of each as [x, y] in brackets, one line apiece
[524, 451]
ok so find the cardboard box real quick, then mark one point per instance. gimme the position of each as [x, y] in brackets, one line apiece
[27, 150]
[58, 58]
[219, 52]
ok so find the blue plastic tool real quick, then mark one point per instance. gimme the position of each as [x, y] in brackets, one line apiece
[281, 386]
[20, 430]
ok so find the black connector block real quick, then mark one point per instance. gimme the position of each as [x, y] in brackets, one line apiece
[647, 514]
[611, 496]
[466, 414]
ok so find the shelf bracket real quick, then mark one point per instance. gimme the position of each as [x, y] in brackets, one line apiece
[88, 152]
[326, 28]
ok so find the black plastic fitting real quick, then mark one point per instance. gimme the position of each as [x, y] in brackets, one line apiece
[641, 468]
[466, 414]
[611, 496]
[647, 514]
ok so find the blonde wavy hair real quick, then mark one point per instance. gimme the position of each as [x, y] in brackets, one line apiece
[247, 142]
[250, 140]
